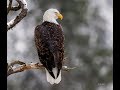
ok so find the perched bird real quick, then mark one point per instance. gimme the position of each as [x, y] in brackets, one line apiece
[49, 41]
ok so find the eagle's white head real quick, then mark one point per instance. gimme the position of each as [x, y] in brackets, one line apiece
[51, 15]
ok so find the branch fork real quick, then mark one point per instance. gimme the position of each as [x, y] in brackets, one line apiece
[22, 5]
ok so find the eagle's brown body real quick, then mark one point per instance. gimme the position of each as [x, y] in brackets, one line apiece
[49, 41]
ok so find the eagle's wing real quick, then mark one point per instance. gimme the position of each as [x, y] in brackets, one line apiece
[49, 41]
[56, 47]
[46, 58]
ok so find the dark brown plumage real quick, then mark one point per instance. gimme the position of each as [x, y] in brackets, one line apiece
[49, 41]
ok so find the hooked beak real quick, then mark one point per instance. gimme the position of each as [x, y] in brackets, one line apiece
[59, 16]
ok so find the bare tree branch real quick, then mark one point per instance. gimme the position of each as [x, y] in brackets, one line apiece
[15, 8]
[23, 66]
[15, 69]
[9, 6]
[23, 13]
[16, 62]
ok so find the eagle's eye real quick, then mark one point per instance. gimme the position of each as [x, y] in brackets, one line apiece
[55, 12]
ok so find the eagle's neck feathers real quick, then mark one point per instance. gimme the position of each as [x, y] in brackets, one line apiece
[51, 20]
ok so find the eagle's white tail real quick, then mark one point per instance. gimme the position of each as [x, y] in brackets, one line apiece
[50, 79]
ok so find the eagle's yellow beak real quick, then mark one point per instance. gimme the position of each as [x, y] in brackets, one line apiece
[59, 16]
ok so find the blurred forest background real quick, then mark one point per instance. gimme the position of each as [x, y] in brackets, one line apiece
[88, 29]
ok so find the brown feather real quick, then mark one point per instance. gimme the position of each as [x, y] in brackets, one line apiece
[49, 41]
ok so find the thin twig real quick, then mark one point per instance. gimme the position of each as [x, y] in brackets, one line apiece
[9, 6]
[65, 68]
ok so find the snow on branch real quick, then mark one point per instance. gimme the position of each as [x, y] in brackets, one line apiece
[22, 5]
[13, 68]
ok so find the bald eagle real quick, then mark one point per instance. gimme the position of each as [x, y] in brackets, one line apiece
[49, 41]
